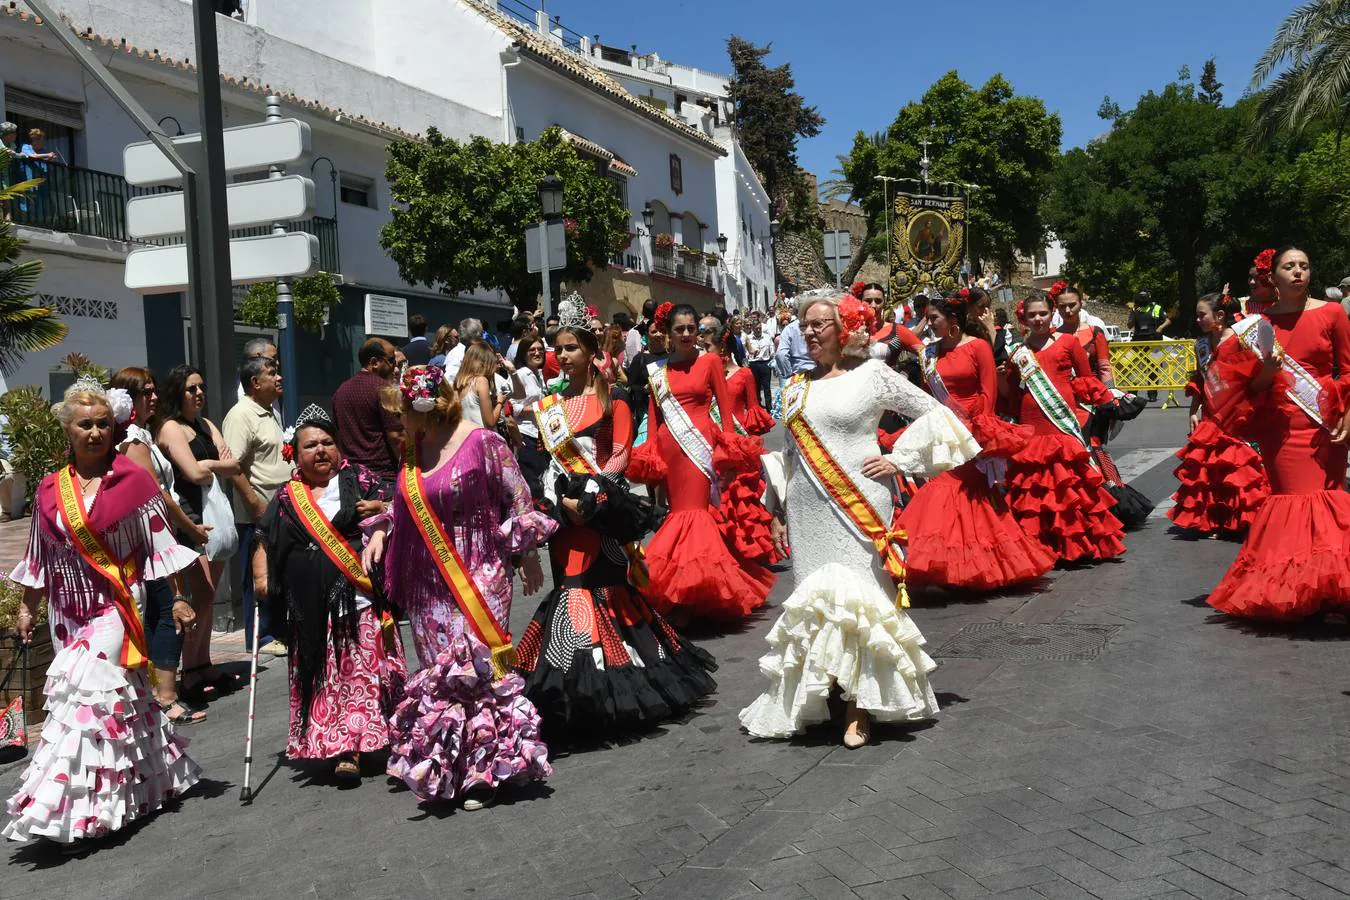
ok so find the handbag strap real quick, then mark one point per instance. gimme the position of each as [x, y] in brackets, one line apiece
[20, 650]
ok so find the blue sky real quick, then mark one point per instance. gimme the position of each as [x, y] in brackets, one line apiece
[1071, 53]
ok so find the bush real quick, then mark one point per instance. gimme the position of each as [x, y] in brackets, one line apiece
[37, 442]
[313, 295]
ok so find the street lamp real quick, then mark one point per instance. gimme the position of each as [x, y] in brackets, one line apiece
[551, 196]
[722, 244]
[774, 227]
[332, 180]
[886, 192]
[648, 217]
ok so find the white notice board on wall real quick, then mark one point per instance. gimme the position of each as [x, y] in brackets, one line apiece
[386, 316]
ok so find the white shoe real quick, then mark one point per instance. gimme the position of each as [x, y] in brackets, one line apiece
[479, 800]
[274, 648]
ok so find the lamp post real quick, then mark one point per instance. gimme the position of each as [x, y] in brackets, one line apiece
[332, 180]
[722, 242]
[550, 208]
[176, 124]
[886, 194]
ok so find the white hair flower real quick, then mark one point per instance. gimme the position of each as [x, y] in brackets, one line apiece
[424, 404]
[120, 403]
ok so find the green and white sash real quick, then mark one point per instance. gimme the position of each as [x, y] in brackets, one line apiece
[1037, 383]
[1257, 334]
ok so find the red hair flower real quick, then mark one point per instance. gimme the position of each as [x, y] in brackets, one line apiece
[661, 318]
[1056, 289]
[1264, 265]
[856, 316]
[1021, 311]
[964, 293]
[858, 288]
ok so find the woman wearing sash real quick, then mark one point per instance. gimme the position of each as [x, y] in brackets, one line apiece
[959, 532]
[1222, 481]
[462, 509]
[346, 671]
[1293, 563]
[1055, 491]
[108, 754]
[843, 628]
[598, 659]
[745, 521]
[693, 573]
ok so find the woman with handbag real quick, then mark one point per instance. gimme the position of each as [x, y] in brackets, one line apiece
[108, 754]
[200, 459]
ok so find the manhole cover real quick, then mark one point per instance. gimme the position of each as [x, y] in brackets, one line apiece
[996, 640]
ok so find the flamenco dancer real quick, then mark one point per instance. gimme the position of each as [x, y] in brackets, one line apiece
[1055, 491]
[960, 533]
[1293, 563]
[1132, 507]
[597, 658]
[108, 755]
[693, 574]
[745, 521]
[843, 628]
[346, 662]
[464, 727]
[1222, 481]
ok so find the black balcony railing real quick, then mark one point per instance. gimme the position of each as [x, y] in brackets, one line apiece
[85, 201]
[692, 269]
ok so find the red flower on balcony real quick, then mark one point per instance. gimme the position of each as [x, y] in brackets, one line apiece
[663, 241]
[571, 227]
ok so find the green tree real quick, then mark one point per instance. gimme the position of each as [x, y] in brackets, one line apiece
[770, 116]
[990, 137]
[24, 328]
[1305, 72]
[312, 295]
[463, 208]
[1210, 85]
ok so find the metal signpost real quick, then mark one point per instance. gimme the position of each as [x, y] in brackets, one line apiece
[545, 252]
[838, 253]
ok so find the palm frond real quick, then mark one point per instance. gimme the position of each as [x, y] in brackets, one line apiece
[1301, 32]
[19, 187]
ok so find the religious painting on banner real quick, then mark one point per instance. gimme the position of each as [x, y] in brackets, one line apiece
[930, 243]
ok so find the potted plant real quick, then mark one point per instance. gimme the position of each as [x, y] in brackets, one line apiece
[663, 242]
[31, 665]
[37, 442]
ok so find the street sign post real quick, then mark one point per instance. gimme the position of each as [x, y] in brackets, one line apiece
[545, 252]
[838, 252]
[248, 148]
[249, 203]
[158, 270]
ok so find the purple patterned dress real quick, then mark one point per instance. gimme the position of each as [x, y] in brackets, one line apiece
[456, 728]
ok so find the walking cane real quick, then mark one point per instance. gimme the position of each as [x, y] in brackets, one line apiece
[246, 794]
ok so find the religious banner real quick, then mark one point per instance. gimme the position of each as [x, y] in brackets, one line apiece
[929, 233]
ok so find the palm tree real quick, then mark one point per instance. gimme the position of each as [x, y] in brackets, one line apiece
[1311, 54]
[24, 328]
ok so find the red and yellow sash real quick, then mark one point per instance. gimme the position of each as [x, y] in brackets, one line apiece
[339, 552]
[448, 562]
[556, 434]
[120, 575]
[836, 483]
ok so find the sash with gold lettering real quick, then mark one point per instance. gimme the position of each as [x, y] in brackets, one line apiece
[682, 428]
[1305, 391]
[334, 546]
[836, 485]
[119, 575]
[468, 596]
[561, 443]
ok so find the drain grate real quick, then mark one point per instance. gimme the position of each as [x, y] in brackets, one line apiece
[996, 640]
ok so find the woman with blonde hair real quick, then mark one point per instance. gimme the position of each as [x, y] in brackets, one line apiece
[478, 399]
[461, 510]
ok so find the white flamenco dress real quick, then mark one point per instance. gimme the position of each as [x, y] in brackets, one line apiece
[841, 625]
[108, 755]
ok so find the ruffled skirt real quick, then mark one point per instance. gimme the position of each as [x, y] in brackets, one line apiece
[1293, 563]
[745, 521]
[603, 661]
[960, 534]
[349, 711]
[838, 628]
[695, 574]
[457, 728]
[1058, 498]
[107, 757]
[1223, 483]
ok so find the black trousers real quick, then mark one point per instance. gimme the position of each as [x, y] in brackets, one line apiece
[763, 383]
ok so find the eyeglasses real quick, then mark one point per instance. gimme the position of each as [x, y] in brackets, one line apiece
[706, 329]
[817, 327]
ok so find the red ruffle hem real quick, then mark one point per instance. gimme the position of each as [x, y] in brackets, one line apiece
[694, 572]
[745, 521]
[1057, 497]
[1223, 483]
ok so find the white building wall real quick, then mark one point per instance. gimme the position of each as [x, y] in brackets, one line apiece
[744, 215]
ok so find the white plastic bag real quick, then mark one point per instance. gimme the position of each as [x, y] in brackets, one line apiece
[223, 540]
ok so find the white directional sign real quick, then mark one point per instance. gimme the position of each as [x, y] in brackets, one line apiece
[557, 247]
[247, 149]
[155, 270]
[249, 203]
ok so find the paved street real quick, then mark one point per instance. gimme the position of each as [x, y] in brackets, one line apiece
[1191, 757]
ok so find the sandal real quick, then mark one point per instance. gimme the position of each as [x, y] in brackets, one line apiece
[201, 691]
[348, 767]
[479, 799]
[186, 714]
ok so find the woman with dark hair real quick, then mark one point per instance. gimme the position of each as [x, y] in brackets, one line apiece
[692, 570]
[527, 389]
[1222, 482]
[598, 659]
[655, 352]
[346, 658]
[167, 613]
[199, 455]
[959, 533]
[1055, 491]
[464, 727]
[1293, 563]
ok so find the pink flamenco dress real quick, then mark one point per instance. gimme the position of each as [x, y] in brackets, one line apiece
[960, 533]
[694, 575]
[1222, 481]
[108, 756]
[745, 521]
[1293, 562]
[1055, 492]
[459, 728]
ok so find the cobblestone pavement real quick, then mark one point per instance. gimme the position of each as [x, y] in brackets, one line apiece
[1192, 757]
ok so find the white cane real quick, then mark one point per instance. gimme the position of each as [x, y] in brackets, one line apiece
[246, 794]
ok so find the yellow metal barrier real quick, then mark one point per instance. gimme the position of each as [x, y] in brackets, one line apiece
[1153, 366]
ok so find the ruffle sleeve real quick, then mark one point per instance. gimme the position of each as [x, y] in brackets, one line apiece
[998, 438]
[645, 464]
[527, 530]
[165, 556]
[31, 571]
[757, 421]
[933, 443]
[1091, 390]
[1336, 401]
[734, 453]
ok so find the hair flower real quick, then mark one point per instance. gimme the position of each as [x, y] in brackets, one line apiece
[661, 318]
[1264, 265]
[1056, 289]
[856, 315]
[420, 385]
[119, 401]
[858, 288]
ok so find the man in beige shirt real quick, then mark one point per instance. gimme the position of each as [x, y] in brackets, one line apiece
[255, 438]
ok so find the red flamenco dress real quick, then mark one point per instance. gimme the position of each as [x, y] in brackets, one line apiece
[745, 521]
[1294, 562]
[960, 533]
[1222, 481]
[692, 569]
[597, 659]
[1055, 492]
